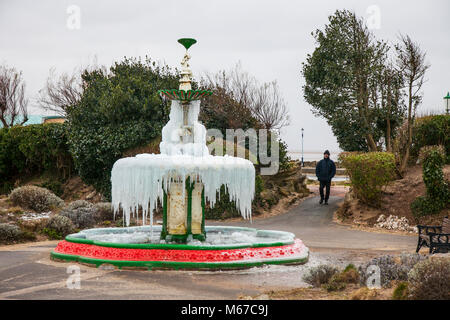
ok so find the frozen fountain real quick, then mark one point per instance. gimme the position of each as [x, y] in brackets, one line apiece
[184, 177]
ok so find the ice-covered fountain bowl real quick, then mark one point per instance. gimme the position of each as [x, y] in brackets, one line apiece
[140, 247]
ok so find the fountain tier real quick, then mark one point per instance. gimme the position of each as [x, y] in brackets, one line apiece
[183, 178]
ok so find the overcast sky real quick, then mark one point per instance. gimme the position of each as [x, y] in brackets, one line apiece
[270, 38]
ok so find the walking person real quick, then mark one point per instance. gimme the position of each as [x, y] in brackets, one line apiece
[325, 171]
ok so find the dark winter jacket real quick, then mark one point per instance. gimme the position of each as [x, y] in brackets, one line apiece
[325, 169]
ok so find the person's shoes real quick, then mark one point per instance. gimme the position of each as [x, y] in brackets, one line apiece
[321, 201]
[326, 202]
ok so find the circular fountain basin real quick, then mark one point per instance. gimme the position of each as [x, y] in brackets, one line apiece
[141, 247]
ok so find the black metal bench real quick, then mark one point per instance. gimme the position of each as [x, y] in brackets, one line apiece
[437, 238]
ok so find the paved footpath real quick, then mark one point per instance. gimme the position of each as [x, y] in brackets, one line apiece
[313, 223]
[26, 272]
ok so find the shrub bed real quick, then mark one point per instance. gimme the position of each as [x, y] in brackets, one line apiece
[438, 193]
[340, 280]
[58, 227]
[430, 280]
[9, 233]
[35, 198]
[82, 214]
[33, 149]
[390, 270]
[431, 130]
[320, 275]
[369, 173]
[104, 211]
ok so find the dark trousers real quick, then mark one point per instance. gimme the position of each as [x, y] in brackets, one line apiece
[324, 184]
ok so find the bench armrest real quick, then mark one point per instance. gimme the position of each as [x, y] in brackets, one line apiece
[429, 229]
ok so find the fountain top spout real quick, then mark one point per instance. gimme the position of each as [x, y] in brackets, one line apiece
[185, 94]
[187, 42]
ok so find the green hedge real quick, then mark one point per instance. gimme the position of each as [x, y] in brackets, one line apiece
[369, 173]
[438, 192]
[27, 150]
[431, 130]
[119, 110]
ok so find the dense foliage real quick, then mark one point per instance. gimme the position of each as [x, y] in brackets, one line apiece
[33, 149]
[438, 192]
[118, 110]
[431, 130]
[369, 173]
[348, 82]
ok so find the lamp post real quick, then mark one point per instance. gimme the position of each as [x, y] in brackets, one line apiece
[303, 164]
[447, 102]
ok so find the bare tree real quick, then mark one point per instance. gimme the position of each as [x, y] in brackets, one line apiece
[389, 85]
[411, 62]
[65, 90]
[61, 91]
[235, 82]
[264, 101]
[13, 104]
[269, 107]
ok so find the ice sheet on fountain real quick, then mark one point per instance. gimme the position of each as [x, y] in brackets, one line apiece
[140, 181]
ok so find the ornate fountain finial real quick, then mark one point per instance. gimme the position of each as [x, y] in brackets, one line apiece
[185, 94]
[187, 42]
[186, 73]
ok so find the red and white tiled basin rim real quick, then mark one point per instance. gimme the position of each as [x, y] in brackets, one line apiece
[187, 257]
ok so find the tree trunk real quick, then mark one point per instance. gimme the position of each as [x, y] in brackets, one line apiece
[405, 159]
[5, 125]
[371, 143]
[388, 135]
[388, 119]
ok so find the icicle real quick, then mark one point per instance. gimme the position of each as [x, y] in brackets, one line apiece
[236, 174]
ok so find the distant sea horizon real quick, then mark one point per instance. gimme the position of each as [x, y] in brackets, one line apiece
[312, 155]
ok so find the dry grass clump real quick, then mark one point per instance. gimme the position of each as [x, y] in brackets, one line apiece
[365, 294]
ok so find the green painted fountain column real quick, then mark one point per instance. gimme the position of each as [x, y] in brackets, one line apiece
[195, 233]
